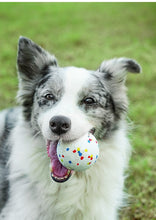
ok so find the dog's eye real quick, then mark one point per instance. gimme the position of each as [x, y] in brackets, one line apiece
[49, 97]
[89, 101]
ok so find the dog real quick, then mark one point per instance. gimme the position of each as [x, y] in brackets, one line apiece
[64, 103]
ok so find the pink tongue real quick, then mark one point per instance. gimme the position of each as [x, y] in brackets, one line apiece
[57, 168]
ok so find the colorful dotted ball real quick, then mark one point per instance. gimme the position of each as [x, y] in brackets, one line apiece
[80, 154]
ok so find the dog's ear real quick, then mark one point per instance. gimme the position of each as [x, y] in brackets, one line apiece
[33, 63]
[116, 69]
[114, 72]
[32, 59]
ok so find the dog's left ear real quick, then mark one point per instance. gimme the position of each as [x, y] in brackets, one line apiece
[32, 59]
[116, 69]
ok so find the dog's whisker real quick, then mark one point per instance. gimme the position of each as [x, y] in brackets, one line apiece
[36, 134]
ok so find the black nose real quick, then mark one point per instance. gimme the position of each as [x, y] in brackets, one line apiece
[60, 124]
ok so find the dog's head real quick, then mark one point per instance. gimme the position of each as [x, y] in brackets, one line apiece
[68, 102]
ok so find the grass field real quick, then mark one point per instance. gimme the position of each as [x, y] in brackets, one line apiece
[84, 34]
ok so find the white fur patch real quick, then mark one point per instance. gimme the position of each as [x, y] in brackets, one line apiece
[75, 78]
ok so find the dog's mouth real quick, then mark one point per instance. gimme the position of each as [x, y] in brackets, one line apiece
[59, 173]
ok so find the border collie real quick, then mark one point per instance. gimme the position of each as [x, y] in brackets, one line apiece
[63, 103]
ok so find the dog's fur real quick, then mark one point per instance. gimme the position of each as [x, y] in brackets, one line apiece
[27, 191]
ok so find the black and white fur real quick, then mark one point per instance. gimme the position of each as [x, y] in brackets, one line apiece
[26, 188]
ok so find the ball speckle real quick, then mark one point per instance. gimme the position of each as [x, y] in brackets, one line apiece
[80, 154]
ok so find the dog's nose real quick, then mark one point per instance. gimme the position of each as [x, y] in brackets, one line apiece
[60, 124]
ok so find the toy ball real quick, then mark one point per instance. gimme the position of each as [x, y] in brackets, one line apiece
[80, 154]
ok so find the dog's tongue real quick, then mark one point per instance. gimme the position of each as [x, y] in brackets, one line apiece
[57, 169]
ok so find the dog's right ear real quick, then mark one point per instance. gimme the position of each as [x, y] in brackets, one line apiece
[33, 63]
[32, 59]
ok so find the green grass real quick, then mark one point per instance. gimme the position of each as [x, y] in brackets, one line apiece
[84, 34]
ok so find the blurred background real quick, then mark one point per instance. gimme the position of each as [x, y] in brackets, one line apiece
[84, 34]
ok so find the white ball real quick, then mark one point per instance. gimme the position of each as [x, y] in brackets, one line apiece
[80, 154]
